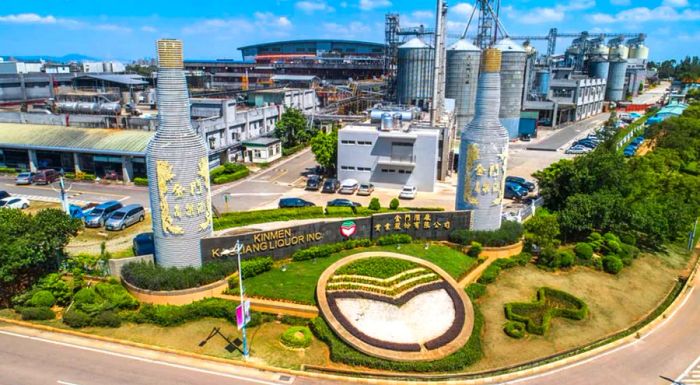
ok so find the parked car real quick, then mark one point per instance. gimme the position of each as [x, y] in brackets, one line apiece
[45, 176]
[314, 182]
[112, 175]
[365, 189]
[25, 178]
[14, 203]
[578, 150]
[294, 202]
[408, 192]
[340, 202]
[125, 217]
[586, 143]
[638, 140]
[78, 212]
[330, 186]
[349, 186]
[99, 215]
[522, 182]
[4, 194]
[143, 244]
[525, 138]
[514, 191]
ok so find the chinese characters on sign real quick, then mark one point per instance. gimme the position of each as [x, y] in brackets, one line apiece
[414, 221]
[483, 178]
[188, 202]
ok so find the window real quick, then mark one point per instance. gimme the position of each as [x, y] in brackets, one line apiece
[352, 168]
[256, 153]
[347, 142]
[367, 169]
[364, 143]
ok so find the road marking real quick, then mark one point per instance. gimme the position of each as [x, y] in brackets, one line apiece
[591, 359]
[281, 174]
[65, 383]
[252, 194]
[684, 378]
[71, 191]
[136, 358]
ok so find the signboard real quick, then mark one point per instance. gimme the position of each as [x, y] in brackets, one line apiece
[243, 314]
[282, 243]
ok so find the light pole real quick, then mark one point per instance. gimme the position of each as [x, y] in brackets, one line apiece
[238, 248]
[62, 191]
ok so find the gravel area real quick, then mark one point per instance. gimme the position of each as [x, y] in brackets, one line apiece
[421, 319]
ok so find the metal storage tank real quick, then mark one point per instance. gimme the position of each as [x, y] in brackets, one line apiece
[415, 73]
[615, 90]
[542, 82]
[513, 60]
[639, 52]
[601, 49]
[619, 52]
[598, 68]
[462, 74]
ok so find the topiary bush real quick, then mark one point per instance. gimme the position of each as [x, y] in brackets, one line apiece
[153, 277]
[612, 264]
[475, 250]
[108, 319]
[256, 266]
[394, 204]
[510, 233]
[141, 181]
[476, 290]
[39, 313]
[42, 298]
[566, 259]
[549, 303]
[514, 329]
[76, 319]
[324, 251]
[116, 296]
[296, 337]
[584, 251]
[489, 275]
[374, 204]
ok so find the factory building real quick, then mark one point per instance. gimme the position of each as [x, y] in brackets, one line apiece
[415, 73]
[318, 48]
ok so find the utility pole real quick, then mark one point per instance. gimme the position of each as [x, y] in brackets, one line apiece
[437, 105]
[238, 248]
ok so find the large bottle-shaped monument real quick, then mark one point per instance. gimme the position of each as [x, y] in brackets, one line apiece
[484, 150]
[178, 168]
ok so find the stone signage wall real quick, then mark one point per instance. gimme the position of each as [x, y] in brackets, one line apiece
[282, 243]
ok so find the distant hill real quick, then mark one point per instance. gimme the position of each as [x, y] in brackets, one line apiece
[60, 59]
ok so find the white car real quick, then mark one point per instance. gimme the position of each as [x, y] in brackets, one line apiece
[578, 150]
[408, 192]
[14, 203]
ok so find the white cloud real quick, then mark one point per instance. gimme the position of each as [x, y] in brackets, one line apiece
[558, 13]
[33, 18]
[149, 29]
[353, 30]
[423, 15]
[343, 4]
[262, 23]
[461, 10]
[112, 28]
[644, 14]
[312, 6]
[368, 5]
[676, 3]
[621, 2]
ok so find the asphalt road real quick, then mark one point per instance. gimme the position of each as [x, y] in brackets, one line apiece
[80, 192]
[569, 133]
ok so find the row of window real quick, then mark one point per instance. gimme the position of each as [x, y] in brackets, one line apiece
[359, 142]
[353, 168]
[394, 170]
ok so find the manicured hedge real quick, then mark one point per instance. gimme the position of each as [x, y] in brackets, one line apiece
[243, 218]
[476, 290]
[141, 181]
[612, 264]
[510, 233]
[42, 298]
[251, 268]
[153, 277]
[324, 251]
[377, 267]
[287, 151]
[228, 172]
[514, 329]
[76, 319]
[7, 170]
[537, 315]
[297, 337]
[494, 269]
[584, 251]
[39, 313]
[107, 319]
[340, 352]
[394, 239]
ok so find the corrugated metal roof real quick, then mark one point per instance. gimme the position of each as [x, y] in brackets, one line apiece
[126, 79]
[463, 45]
[414, 43]
[314, 41]
[92, 140]
[507, 45]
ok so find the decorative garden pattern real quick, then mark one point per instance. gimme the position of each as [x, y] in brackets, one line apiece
[535, 317]
[395, 306]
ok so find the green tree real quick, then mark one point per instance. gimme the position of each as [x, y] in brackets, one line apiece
[374, 204]
[394, 204]
[325, 149]
[542, 230]
[292, 128]
[31, 247]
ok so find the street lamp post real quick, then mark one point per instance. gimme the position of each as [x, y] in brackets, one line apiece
[238, 248]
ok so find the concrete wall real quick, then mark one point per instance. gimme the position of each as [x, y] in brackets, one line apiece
[115, 265]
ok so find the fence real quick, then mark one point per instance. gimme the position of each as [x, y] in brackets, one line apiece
[524, 213]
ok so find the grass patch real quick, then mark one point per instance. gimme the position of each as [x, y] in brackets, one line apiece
[378, 267]
[297, 282]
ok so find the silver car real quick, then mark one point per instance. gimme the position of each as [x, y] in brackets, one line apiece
[125, 217]
[25, 178]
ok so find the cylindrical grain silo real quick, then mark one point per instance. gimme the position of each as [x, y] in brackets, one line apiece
[619, 51]
[615, 90]
[598, 68]
[640, 51]
[512, 82]
[460, 81]
[542, 80]
[414, 77]
[178, 169]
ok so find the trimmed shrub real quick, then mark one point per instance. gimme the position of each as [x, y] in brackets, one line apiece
[522, 259]
[374, 204]
[490, 274]
[116, 296]
[169, 315]
[510, 233]
[548, 257]
[153, 277]
[324, 251]
[394, 204]
[7, 170]
[514, 329]
[475, 250]
[340, 352]
[596, 241]
[297, 337]
[287, 151]
[584, 251]
[76, 319]
[549, 303]
[612, 264]
[377, 267]
[141, 181]
[242, 218]
[394, 239]
[566, 259]
[476, 290]
[108, 319]
[39, 313]
[42, 298]
[294, 321]
[252, 267]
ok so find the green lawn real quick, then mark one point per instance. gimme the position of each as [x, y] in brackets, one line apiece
[297, 283]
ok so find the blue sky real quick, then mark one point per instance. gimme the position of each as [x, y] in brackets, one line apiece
[127, 29]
